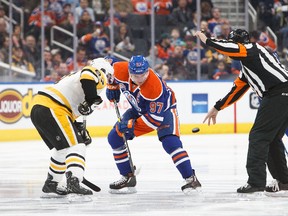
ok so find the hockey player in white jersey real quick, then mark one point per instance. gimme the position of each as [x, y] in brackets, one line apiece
[54, 115]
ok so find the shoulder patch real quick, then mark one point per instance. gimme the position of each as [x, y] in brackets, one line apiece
[121, 71]
[90, 73]
[152, 88]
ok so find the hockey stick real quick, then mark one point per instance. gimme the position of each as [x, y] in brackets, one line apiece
[91, 185]
[85, 181]
[133, 168]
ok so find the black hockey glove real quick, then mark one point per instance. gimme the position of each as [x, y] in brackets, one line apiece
[84, 133]
[85, 109]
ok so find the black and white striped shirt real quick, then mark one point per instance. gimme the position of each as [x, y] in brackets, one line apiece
[261, 70]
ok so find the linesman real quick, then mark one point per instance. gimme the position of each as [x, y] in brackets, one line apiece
[261, 71]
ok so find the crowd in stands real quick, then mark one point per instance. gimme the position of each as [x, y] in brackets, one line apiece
[175, 52]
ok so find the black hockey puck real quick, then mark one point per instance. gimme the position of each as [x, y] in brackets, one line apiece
[195, 130]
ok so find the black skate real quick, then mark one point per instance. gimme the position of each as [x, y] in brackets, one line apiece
[73, 185]
[247, 188]
[276, 188]
[192, 185]
[51, 187]
[125, 185]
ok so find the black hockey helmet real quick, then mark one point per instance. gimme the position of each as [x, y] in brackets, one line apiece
[239, 36]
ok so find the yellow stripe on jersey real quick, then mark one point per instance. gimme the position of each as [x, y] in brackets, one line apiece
[60, 95]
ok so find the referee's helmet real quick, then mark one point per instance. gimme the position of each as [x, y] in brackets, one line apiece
[239, 36]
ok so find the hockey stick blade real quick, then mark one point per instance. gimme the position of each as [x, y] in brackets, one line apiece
[91, 185]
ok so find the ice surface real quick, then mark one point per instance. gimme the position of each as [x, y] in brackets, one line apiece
[219, 161]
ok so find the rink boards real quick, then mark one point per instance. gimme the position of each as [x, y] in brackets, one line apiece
[194, 100]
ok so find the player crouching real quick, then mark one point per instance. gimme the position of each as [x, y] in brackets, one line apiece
[54, 115]
[153, 108]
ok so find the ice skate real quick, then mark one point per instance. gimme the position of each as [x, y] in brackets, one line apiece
[192, 185]
[126, 185]
[51, 188]
[73, 186]
[276, 189]
[247, 188]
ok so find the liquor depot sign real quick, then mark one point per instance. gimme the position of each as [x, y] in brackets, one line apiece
[14, 105]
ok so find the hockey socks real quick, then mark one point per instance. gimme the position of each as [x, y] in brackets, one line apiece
[173, 146]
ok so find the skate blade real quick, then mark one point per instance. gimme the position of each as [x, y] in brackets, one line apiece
[192, 191]
[79, 198]
[126, 190]
[52, 196]
[250, 195]
[283, 193]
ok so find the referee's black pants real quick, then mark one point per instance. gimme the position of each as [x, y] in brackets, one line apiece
[265, 140]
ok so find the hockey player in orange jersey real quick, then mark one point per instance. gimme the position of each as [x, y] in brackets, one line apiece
[153, 107]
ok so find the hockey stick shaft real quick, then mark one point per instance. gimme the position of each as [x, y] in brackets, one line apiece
[85, 181]
[125, 140]
[91, 185]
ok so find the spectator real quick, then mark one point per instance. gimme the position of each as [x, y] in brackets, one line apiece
[56, 57]
[164, 72]
[267, 16]
[97, 42]
[56, 7]
[221, 71]
[177, 63]
[122, 9]
[85, 24]
[48, 64]
[97, 5]
[4, 49]
[217, 20]
[66, 19]
[80, 59]
[31, 51]
[141, 7]
[165, 49]
[263, 38]
[19, 61]
[62, 69]
[84, 6]
[76, 2]
[191, 54]
[123, 41]
[35, 20]
[16, 36]
[3, 31]
[3, 15]
[235, 67]
[158, 62]
[181, 15]
[176, 37]
[163, 7]
[225, 30]
[206, 10]
[52, 77]
[125, 47]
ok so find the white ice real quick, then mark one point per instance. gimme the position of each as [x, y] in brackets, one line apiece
[219, 161]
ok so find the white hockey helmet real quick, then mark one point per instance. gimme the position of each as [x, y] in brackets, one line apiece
[102, 64]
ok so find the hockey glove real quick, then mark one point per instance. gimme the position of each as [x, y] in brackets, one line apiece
[126, 127]
[113, 93]
[85, 109]
[84, 133]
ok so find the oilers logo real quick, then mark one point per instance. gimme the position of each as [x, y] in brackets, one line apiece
[132, 100]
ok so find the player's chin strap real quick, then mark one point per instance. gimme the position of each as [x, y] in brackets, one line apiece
[85, 181]
[133, 168]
